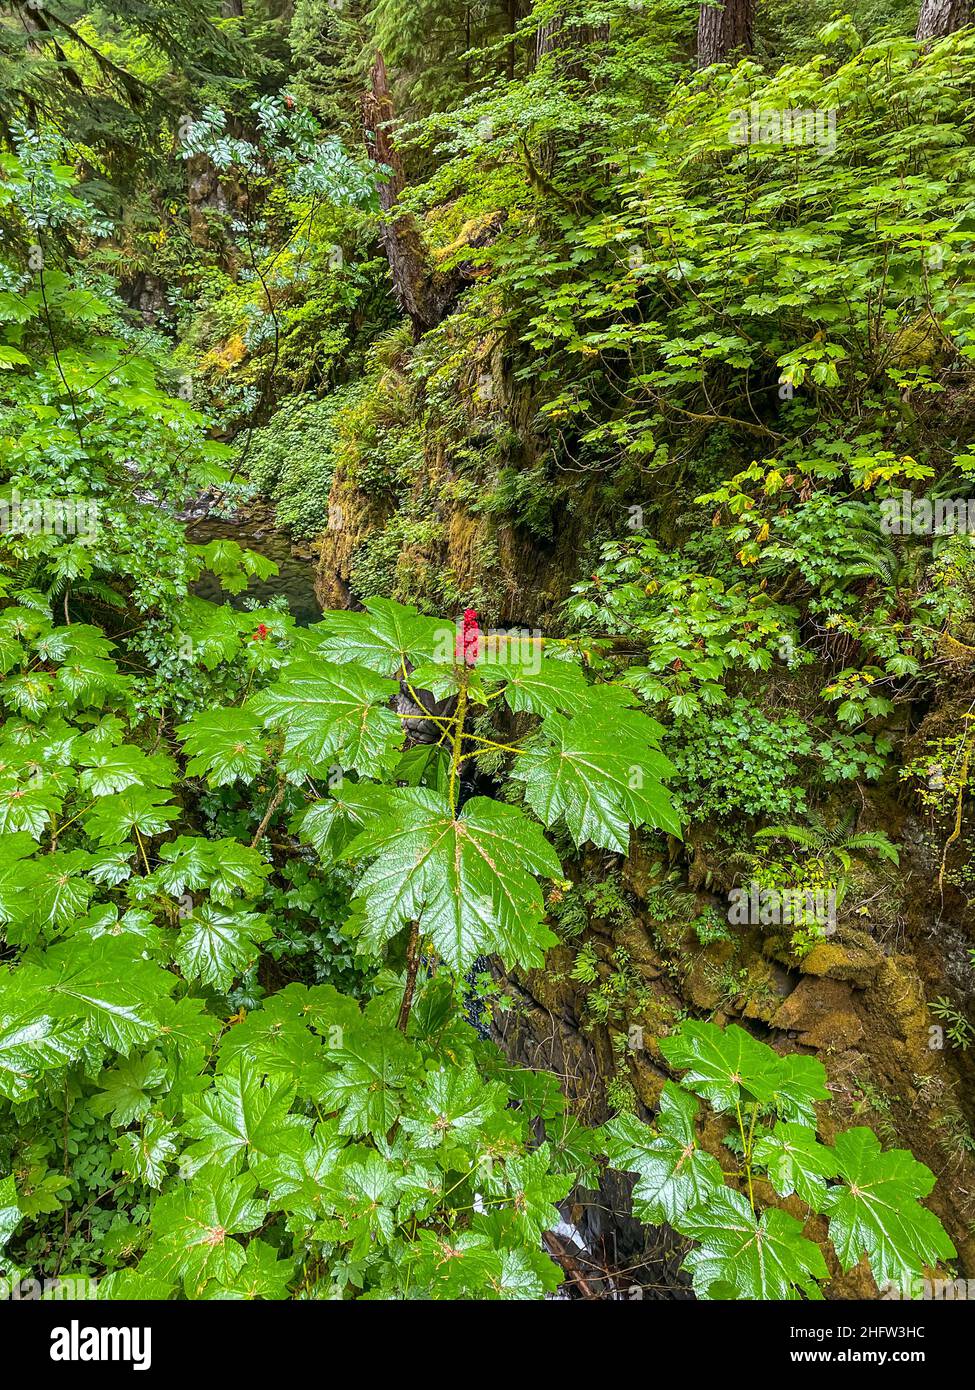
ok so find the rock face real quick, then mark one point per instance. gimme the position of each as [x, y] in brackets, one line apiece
[859, 1000]
[859, 1004]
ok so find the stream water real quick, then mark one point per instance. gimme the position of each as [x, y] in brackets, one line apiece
[296, 571]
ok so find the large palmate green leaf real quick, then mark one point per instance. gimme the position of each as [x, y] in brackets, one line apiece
[728, 1067]
[111, 770]
[114, 819]
[796, 1162]
[385, 636]
[109, 987]
[226, 868]
[674, 1172]
[145, 1153]
[126, 1088]
[875, 1211]
[333, 714]
[215, 945]
[468, 879]
[366, 1082]
[599, 778]
[764, 1257]
[543, 687]
[10, 1216]
[26, 805]
[241, 1115]
[225, 745]
[33, 1039]
[452, 1106]
[193, 1226]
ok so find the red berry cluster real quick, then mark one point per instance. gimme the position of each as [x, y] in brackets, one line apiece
[469, 639]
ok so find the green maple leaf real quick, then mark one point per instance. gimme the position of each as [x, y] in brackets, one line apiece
[795, 1162]
[765, 1257]
[728, 1067]
[675, 1175]
[216, 945]
[145, 1154]
[468, 879]
[239, 1115]
[384, 636]
[599, 778]
[875, 1212]
[192, 1228]
[225, 745]
[333, 714]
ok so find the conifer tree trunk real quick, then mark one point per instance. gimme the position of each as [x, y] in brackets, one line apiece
[424, 294]
[724, 30]
[941, 17]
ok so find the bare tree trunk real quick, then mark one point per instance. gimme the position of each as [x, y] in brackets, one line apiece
[424, 294]
[941, 17]
[723, 30]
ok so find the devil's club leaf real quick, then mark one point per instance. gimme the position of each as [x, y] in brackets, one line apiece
[223, 744]
[467, 879]
[365, 1087]
[262, 1275]
[111, 770]
[453, 1105]
[764, 1258]
[674, 1173]
[876, 1212]
[32, 1039]
[331, 713]
[727, 1066]
[795, 1162]
[108, 987]
[384, 636]
[542, 687]
[600, 778]
[215, 946]
[113, 819]
[10, 1216]
[144, 1154]
[240, 1115]
[225, 867]
[192, 1228]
